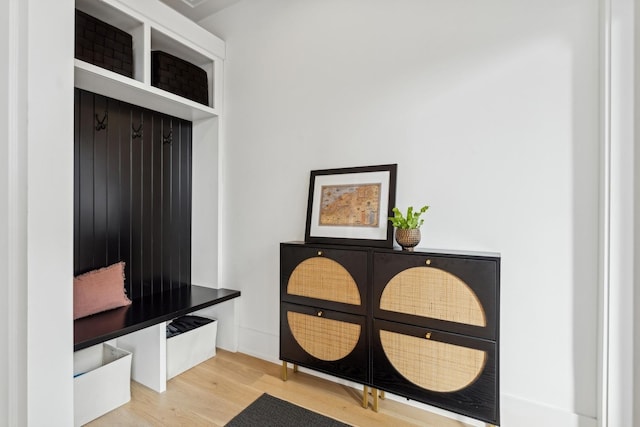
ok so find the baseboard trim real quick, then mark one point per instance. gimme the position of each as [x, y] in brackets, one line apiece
[254, 343]
[524, 413]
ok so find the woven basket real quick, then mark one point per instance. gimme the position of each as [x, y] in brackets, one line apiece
[103, 45]
[178, 76]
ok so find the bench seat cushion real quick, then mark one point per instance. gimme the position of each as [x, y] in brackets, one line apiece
[99, 290]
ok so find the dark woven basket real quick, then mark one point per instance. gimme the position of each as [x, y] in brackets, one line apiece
[103, 45]
[178, 76]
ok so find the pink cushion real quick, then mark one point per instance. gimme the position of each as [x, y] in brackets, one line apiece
[99, 290]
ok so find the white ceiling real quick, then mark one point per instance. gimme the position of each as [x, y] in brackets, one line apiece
[197, 10]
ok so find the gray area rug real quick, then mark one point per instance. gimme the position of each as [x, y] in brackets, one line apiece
[269, 411]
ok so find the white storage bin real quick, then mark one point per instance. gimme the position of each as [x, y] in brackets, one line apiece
[102, 381]
[190, 348]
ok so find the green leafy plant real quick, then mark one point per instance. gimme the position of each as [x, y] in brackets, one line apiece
[411, 220]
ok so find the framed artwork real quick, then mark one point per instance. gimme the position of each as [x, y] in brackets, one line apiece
[351, 206]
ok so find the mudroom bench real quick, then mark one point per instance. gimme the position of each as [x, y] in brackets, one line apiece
[141, 327]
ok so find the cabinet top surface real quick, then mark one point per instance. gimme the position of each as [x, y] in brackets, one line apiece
[417, 251]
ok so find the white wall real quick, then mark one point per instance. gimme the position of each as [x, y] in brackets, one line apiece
[50, 212]
[4, 208]
[13, 301]
[490, 108]
[636, 197]
[619, 144]
[636, 193]
[36, 212]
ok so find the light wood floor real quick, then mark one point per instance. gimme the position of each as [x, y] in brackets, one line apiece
[212, 393]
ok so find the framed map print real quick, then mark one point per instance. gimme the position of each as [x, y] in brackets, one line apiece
[351, 206]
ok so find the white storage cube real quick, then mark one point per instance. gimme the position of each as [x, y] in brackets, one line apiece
[190, 348]
[102, 381]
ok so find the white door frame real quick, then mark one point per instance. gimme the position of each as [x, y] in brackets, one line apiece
[616, 317]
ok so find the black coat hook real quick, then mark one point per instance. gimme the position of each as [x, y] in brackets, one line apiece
[136, 132]
[102, 124]
[167, 139]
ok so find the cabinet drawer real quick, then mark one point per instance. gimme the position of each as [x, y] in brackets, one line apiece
[450, 371]
[331, 278]
[328, 341]
[452, 293]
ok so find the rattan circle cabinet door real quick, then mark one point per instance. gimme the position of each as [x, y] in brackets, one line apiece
[328, 341]
[450, 371]
[329, 277]
[448, 292]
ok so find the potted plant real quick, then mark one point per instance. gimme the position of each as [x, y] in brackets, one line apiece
[408, 227]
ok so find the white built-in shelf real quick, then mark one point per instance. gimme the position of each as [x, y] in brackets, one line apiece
[163, 30]
[104, 82]
[155, 26]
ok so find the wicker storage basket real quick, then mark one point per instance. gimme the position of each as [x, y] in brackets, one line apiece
[103, 45]
[178, 76]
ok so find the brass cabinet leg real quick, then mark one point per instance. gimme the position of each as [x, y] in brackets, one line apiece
[365, 396]
[374, 391]
[382, 394]
[284, 370]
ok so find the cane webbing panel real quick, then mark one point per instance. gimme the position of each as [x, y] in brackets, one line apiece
[325, 339]
[433, 365]
[325, 279]
[431, 292]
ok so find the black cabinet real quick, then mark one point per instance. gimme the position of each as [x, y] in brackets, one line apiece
[422, 325]
[333, 278]
[325, 340]
[452, 371]
[323, 323]
[435, 329]
[447, 292]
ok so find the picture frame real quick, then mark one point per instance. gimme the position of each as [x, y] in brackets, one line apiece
[351, 206]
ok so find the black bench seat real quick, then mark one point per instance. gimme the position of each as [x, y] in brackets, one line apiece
[144, 312]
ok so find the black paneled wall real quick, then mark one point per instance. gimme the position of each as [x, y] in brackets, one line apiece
[132, 195]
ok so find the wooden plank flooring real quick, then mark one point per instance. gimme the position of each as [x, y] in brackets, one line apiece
[212, 393]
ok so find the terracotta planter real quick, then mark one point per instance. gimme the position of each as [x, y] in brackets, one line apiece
[408, 238]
